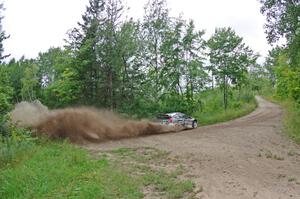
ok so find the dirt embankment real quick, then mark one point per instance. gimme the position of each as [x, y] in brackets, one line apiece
[80, 125]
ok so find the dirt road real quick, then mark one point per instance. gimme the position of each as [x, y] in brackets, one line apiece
[245, 158]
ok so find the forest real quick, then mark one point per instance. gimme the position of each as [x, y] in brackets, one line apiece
[141, 68]
[154, 65]
[138, 68]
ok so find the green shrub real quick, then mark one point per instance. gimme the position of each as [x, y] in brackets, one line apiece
[237, 104]
[287, 80]
[13, 141]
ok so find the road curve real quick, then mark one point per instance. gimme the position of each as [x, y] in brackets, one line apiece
[249, 157]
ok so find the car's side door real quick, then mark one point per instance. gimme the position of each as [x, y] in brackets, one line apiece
[180, 118]
[187, 120]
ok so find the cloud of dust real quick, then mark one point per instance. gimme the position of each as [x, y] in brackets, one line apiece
[27, 114]
[82, 124]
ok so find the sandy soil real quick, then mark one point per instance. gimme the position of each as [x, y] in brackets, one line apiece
[245, 158]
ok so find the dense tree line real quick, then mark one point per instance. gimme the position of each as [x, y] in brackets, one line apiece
[156, 64]
[283, 63]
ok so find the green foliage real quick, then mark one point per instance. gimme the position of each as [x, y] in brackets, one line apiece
[4, 102]
[292, 119]
[287, 78]
[283, 21]
[157, 26]
[282, 18]
[288, 83]
[194, 71]
[287, 88]
[211, 110]
[29, 83]
[16, 74]
[14, 142]
[6, 91]
[139, 68]
[64, 91]
[51, 64]
[271, 62]
[173, 102]
[61, 170]
[229, 58]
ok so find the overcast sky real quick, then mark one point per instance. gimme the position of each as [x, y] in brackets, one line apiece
[36, 25]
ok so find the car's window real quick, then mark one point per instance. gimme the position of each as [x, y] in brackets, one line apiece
[176, 116]
[187, 117]
[180, 114]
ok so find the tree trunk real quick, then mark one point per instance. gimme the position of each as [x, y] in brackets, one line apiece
[180, 89]
[192, 91]
[111, 91]
[239, 93]
[225, 93]
[156, 66]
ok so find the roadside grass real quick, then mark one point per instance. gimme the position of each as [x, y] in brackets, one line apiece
[60, 170]
[12, 153]
[15, 145]
[291, 119]
[213, 109]
[229, 114]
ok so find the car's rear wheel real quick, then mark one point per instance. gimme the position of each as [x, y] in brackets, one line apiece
[194, 124]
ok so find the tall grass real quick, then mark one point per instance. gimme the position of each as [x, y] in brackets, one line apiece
[14, 142]
[292, 119]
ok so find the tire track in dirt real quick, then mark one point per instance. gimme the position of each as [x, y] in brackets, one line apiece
[249, 157]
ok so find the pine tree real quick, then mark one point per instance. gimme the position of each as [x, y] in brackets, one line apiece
[3, 36]
[82, 43]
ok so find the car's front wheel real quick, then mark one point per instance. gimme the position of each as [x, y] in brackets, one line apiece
[194, 124]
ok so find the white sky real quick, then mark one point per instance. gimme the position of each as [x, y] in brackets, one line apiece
[36, 25]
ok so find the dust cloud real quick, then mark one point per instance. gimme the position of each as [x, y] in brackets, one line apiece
[28, 114]
[82, 124]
